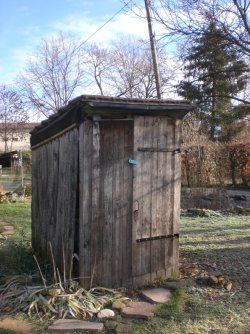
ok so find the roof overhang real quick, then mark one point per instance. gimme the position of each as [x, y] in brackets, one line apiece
[88, 106]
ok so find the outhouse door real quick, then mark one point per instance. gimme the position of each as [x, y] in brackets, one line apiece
[155, 195]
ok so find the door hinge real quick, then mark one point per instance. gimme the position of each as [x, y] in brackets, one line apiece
[170, 236]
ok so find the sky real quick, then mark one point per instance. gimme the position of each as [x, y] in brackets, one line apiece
[23, 23]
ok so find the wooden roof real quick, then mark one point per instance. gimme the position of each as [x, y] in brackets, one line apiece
[103, 107]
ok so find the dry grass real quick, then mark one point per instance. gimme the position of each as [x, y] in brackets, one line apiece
[209, 246]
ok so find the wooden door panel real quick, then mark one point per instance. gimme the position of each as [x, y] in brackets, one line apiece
[155, 148]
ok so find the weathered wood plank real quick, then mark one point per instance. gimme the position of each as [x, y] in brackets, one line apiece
[85, 202]
[117, 198]
[96, 227]
[155, 197]
[176, 195]
[52, 190]
[127, 207]
[66, 200]
[107, 167]
[137, 196]
[171, 166]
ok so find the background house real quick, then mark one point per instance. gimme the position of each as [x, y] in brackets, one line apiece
[15, 136]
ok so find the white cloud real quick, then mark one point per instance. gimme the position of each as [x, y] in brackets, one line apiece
[81, 26]
[84, 26]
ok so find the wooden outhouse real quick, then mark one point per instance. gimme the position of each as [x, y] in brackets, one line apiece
[106, 186]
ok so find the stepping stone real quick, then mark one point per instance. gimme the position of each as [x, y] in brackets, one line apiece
[8, 232]
[158, 295]
[143, 305]
[68, 325]
[8, 227]
[131, 312]
[140, 310]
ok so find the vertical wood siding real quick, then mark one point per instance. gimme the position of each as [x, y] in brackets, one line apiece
[155, 196]
[105, 188]
[128, 214]
[54, 183]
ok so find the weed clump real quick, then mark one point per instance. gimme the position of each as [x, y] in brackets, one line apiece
[173, 309]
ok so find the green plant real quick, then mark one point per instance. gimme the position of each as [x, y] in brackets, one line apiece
[175, 306]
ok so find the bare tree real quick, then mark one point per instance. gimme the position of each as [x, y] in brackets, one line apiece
[189, 18]
[125, 69]
[53, 75]
[98, 66]
[186, 20]
[12, 114]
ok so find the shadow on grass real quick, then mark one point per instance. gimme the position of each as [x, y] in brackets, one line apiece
[219, 242]
[16, 259]
[217, 229]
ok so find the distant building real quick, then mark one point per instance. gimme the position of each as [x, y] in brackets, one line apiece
[15, 136]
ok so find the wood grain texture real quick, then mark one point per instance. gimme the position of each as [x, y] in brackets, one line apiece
[154, 193]
[85, 202]
[117, 216]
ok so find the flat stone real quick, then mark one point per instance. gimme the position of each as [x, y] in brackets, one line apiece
[158, 295]
[2, 238]
[66, 325]
[140, 310]
[142, 305]
[8, 227]
[7, 232]
[132, 312]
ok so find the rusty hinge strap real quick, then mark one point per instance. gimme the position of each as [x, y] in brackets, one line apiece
[156, 149]
[170, 236]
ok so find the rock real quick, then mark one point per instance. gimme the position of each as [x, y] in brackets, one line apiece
[66, 325]
[213, 280]
[8, 228]
[142, 305]
[106, 313]
[158, 295]
[7, 232]
[118, 304]
[229, 286]
[140, 310]
[132, 312]
[2, 238]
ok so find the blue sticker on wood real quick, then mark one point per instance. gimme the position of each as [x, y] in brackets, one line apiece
[133, 162]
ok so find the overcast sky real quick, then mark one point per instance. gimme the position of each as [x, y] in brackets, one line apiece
[24, 22]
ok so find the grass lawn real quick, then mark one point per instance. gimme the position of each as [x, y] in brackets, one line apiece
[15, 252]
[208, 246]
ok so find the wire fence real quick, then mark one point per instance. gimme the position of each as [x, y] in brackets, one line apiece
[14, 179]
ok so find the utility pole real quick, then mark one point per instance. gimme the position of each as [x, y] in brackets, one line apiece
[153, 50]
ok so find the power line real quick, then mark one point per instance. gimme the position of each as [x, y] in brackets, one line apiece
[112, 17]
